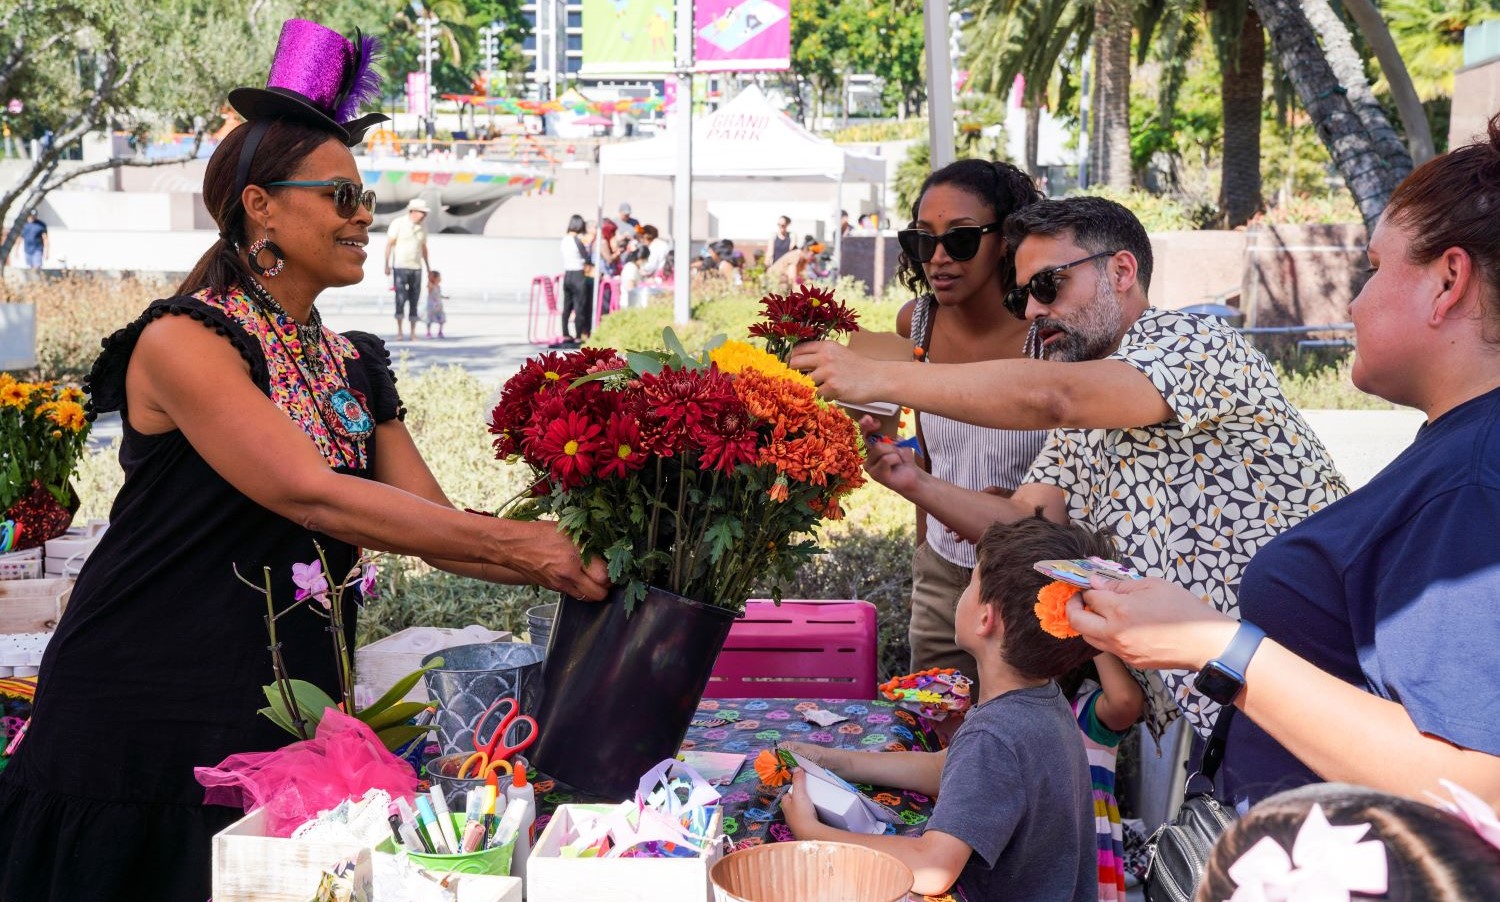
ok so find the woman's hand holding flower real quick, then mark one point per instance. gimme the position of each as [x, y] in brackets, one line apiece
[1150, 623]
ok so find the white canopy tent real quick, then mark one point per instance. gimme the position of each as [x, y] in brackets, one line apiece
[745, 139]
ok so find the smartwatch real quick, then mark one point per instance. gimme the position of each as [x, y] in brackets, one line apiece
[1222, 678]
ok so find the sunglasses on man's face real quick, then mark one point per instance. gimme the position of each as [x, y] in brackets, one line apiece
[1042, 286]
[348, 196]
[961, 243]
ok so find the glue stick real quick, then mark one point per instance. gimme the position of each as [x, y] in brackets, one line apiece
[520, 790]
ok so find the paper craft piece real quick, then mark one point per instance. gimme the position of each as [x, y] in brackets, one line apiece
[934, 693]
[1052, 608]
[822, 717]
[1077, 572]
[774, 766]
[718, 768]
[839, 804]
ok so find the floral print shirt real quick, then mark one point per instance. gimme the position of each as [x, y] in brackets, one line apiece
[294, 387]
[1191, 499]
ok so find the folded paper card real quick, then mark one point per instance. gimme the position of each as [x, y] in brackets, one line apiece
[839, 804]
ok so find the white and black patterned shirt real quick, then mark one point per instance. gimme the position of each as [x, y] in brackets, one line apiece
[1191, 499]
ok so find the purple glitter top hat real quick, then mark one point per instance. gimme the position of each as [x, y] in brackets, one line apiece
[319, 78]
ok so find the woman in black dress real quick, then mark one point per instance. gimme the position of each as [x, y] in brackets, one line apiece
[250, 432]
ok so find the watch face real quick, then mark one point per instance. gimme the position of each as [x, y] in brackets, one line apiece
[1219, 683]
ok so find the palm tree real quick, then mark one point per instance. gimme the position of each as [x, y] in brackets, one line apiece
[1037, 41]
[1430, 37]
[1240, 43]
[1109, 139]
[1358, 136]
[1408, 104]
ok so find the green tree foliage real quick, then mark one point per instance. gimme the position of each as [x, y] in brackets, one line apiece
[1430, 36]
[833, 38]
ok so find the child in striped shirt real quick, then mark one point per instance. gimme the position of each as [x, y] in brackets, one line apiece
[1107, 702]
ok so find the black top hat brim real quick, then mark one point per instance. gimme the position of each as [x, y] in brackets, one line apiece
[280, 103]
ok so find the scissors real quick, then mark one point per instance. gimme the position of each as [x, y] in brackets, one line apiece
[496, 740]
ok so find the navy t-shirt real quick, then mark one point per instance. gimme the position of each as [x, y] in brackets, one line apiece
[1395, 589]
[31, 235]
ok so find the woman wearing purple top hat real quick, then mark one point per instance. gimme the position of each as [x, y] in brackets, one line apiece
[251, 432]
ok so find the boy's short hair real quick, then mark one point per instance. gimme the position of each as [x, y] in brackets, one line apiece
[1009, 584]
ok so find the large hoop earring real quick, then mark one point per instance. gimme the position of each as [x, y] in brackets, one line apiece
[266, 272]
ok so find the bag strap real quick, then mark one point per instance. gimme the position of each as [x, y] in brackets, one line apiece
[1213, 752]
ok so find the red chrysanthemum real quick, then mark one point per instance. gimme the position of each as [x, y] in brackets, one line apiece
[727, 439]
[568, 447]
[675, 403]
[621, 452]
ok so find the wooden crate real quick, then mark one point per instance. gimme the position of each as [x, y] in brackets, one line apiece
[32, 605]
[552, 878]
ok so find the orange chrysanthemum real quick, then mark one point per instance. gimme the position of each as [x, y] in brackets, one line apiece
[1052, 609]
[772, 770]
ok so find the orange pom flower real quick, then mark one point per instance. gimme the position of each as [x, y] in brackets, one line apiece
[1052, 609]
[772, 770]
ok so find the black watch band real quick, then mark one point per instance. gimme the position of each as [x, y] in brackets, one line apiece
[1222, 678]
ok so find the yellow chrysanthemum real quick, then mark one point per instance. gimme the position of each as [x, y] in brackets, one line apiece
[14, 394]
[68, 414]
[70, 394]
[735, 356]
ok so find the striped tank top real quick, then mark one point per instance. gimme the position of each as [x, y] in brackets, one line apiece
[973, 457]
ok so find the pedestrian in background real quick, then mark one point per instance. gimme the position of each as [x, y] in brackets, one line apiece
[405, 258]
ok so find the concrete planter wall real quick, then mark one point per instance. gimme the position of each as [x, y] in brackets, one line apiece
[17, 336]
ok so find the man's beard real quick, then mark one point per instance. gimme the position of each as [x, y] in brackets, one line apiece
[1095, 332]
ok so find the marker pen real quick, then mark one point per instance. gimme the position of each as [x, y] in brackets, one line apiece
[444, 817]
[428, 819]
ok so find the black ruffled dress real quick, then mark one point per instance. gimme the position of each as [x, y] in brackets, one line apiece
[158, 663]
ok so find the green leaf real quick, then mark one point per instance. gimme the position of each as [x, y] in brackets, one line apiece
[397, 692]
[714, 342]
[393, 715]
[395, 737]
[312, 700]
[278, 716]
[674, 344]
[644, 363]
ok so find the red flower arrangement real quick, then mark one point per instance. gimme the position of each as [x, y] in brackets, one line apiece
[701, 474]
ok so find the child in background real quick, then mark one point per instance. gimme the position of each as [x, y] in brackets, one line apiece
[435, 314]
[1107, 702]
[1425, 854]
[1015, 811]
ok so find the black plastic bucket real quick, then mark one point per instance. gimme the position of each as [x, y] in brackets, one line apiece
[619, 692]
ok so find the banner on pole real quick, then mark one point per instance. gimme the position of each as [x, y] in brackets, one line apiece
[741, 35]
[416, 94]
[627, 37]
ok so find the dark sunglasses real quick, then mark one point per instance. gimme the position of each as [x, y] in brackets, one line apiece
[961, 243]
[1043, 286]
[348, 196]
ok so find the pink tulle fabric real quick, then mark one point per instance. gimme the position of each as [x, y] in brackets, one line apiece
[344, 760]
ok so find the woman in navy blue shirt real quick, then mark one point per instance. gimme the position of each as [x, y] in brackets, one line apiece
[1380, 663]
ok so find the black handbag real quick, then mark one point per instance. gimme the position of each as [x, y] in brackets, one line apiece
[1177, 853]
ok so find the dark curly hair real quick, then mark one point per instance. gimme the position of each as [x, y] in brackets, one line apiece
[1004, 187]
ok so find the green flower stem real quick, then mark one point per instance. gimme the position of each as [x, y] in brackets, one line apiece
[278, 664]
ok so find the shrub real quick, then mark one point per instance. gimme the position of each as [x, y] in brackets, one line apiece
[870, 132]
[74, 312]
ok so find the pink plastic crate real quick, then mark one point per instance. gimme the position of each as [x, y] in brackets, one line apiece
[802, 649]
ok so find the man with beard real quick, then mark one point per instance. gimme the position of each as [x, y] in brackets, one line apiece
[1166, 429]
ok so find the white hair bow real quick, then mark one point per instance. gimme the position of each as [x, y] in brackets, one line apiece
[1327, 864]
[1472, 810]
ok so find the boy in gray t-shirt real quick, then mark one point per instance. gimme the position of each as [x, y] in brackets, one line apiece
[1015, 810]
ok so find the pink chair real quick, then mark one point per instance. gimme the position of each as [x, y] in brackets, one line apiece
[606, 298]
[802, 649]
[541, 323]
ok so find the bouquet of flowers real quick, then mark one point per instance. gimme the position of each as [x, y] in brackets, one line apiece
[700, 474]
[43, 431]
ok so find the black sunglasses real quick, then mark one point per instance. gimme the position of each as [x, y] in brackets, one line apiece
[961, 243]
[1042, 286]
[348, 196]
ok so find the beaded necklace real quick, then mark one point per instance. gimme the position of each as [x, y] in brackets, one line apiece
[337, 405]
